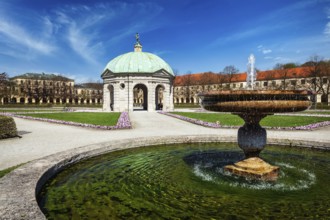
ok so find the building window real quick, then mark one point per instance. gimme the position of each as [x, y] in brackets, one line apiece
[257, 83]
[303, 82]
[234, 85]
[241, 85]
[273, 83]
[293, 82]
[325, 80]
[265, 84]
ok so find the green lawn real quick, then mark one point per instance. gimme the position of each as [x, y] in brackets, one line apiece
[270, 121]
[186, 105]
[94, 118]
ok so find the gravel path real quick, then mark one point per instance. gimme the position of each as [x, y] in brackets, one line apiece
[41, 139]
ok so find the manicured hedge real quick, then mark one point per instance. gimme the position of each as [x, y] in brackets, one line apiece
[7, 127]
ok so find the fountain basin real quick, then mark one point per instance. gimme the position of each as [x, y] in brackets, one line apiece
[19, 200]
[187, 182]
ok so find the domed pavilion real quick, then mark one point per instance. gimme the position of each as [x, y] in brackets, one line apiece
[137, 81]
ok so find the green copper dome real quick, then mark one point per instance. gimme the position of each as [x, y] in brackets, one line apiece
[138, 62]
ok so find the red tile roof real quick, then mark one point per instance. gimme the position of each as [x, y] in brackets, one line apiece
[213, 78]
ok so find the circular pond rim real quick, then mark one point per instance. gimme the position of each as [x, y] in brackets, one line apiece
[19, 188]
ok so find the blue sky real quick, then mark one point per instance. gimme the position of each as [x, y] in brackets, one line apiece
[78, 38]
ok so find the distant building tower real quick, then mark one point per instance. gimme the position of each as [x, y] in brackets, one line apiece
[137, 81]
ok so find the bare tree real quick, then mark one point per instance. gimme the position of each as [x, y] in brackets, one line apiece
[187, 82]
[319, 70]
[283, 73]
[206, 80]
[7, 87]
[229, 72]
[4, 82]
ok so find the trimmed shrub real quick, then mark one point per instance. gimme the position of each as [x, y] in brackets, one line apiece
[7, 127]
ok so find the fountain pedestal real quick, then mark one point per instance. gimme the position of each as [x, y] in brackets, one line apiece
[252, 137]
[254, 168]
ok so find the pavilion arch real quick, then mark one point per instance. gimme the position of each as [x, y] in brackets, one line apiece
[159, 97]
[140, 97]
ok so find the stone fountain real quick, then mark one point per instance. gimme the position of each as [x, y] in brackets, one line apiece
[252, 106]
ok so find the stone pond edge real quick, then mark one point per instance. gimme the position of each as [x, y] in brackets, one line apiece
[18, 189]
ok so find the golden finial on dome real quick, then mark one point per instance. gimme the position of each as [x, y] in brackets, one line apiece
[137, 46]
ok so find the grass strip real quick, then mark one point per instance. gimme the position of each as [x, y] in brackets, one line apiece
[269, 121]
[313, 112]
[30, 110]
[94, 118]
[8, 170]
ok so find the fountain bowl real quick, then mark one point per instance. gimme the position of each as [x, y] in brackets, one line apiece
[256, 101]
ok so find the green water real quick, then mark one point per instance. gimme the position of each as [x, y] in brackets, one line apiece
[187, 182]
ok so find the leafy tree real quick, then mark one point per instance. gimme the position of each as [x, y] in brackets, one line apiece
[280, 66]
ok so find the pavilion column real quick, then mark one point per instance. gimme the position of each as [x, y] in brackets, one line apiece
[151, 86]
[106, 98]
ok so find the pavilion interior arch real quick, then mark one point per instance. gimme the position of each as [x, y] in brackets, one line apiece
[140, 97]
[159, 97]
[111, 90]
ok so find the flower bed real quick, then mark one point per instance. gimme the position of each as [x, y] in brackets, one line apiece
[122, 123]
[218, 125]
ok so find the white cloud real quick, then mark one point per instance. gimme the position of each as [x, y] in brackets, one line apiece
[327, 26]
[268, 58]
[84, 27]
[19, 35]
[80, 27]
[327, 30]
[264, 50]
